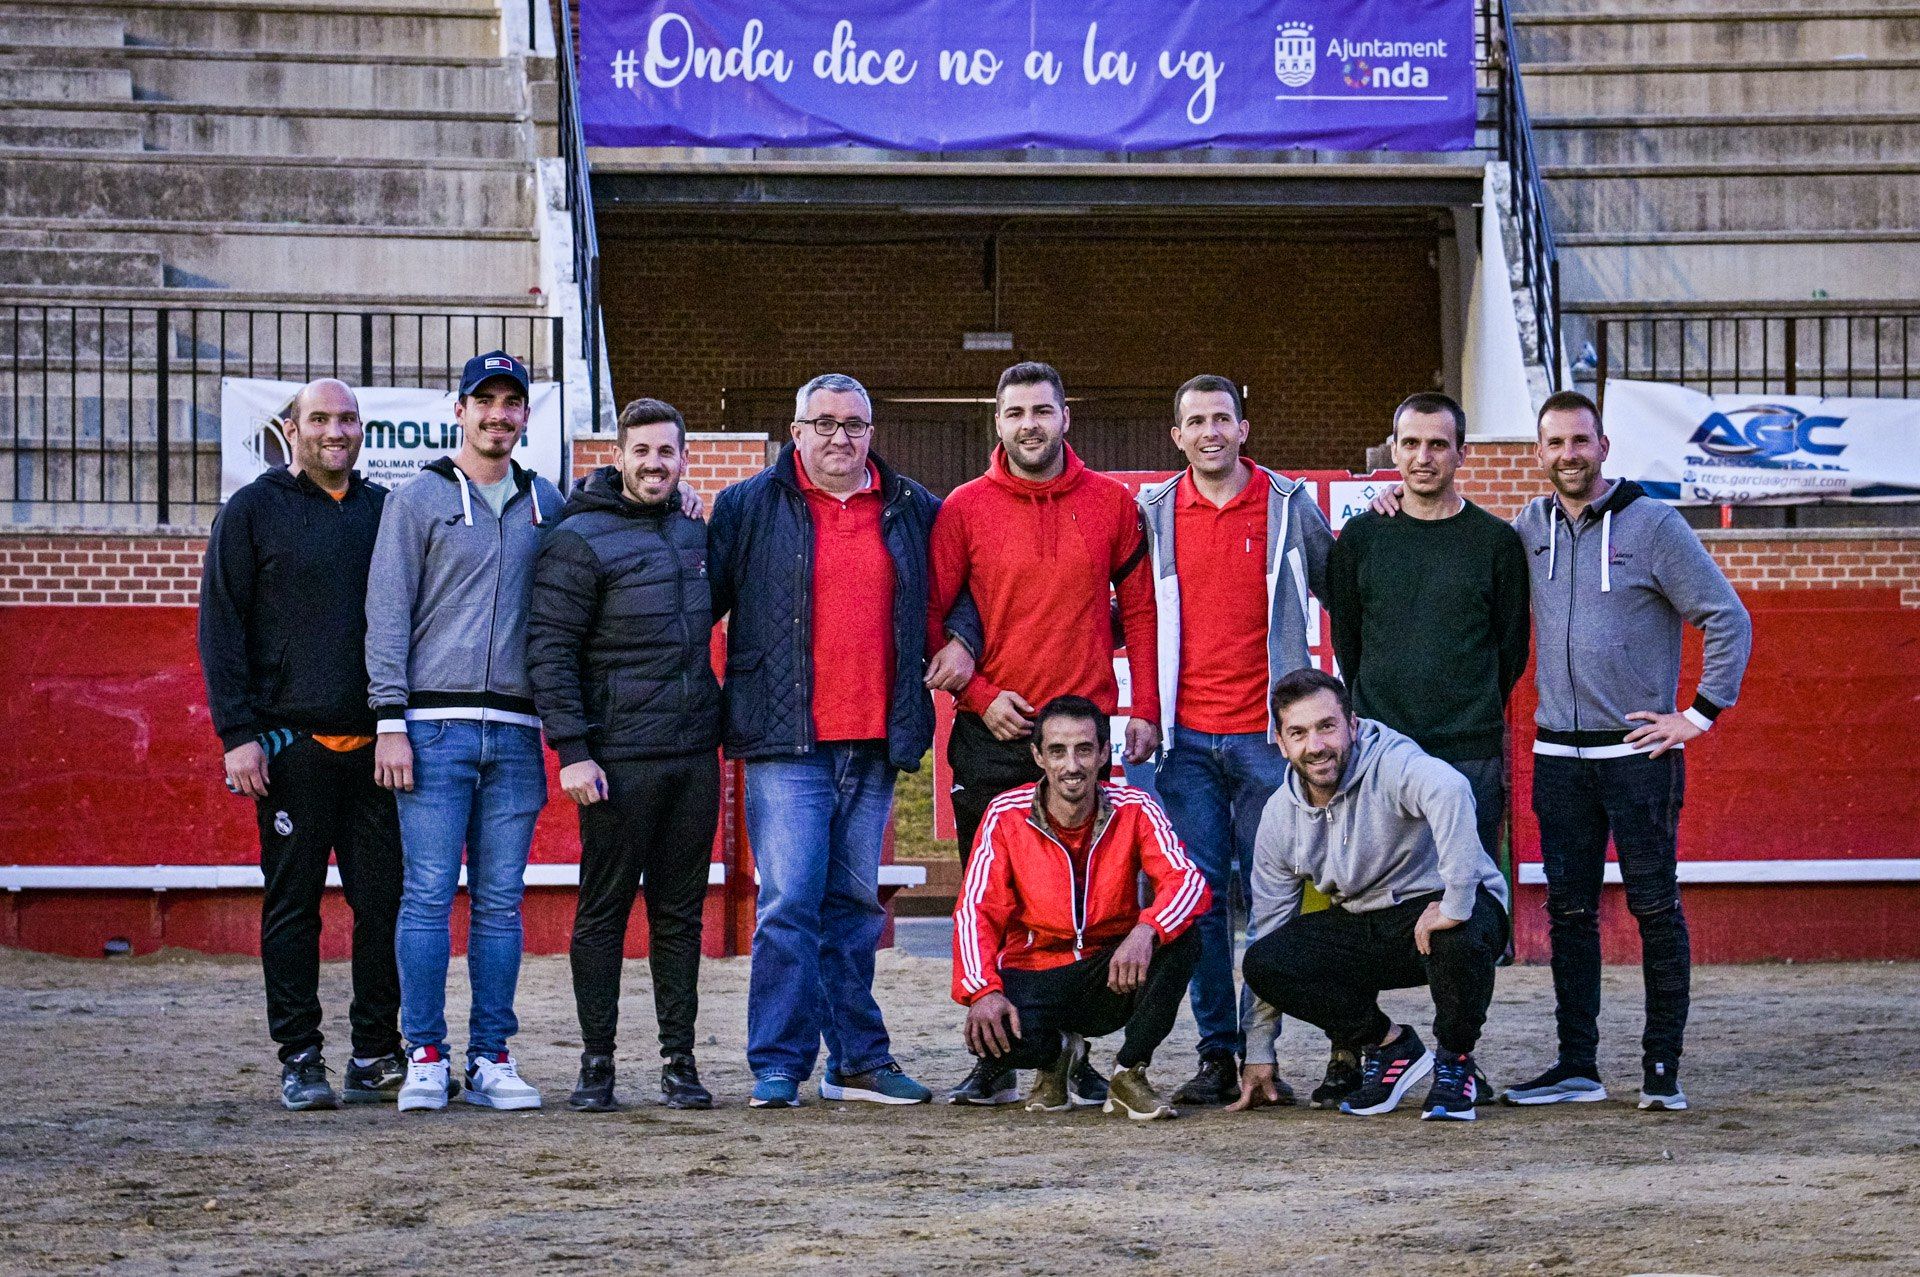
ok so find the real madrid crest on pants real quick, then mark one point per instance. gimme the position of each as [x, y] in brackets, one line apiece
[282, 824]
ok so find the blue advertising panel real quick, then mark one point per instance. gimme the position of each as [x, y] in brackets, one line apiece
[941, 75]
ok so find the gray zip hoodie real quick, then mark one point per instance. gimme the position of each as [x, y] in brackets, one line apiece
[447, 599]
[1609, 594]
[1400, 825]
[1298, 542]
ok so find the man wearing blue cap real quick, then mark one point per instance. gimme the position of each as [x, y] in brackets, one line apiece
[459, 739]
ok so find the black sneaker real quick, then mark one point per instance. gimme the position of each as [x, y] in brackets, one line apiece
[989, 1083]
[1216, 1083]
[680, 1085]
[375, 1082]
[1660, 1087]
[1456, 1086]
[303, 1082]
[1343, 1079]
[1561, 1084]
[1388, 1073]
[1085, 1087]
[593, 1093]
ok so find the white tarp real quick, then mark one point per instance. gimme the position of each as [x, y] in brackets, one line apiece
[1695, 449]
[406, 428]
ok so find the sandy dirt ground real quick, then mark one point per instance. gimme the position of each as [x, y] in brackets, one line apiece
[140, 1132]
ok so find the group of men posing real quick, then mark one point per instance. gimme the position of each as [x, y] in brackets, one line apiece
[380, 667]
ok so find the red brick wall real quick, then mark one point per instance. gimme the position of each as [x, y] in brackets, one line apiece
[1330, 326]
[59, 569]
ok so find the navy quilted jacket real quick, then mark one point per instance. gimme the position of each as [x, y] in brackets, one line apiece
[760, 567]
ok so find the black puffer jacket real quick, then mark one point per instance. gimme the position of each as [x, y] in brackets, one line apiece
[618, 630]
[762, 565]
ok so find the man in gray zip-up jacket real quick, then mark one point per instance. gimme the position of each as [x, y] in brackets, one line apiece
[1614, 575]
[1235, 548]
[459, 739]
[1389, 835]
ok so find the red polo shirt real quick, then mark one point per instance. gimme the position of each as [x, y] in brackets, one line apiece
[853, 653]
[1220, 553]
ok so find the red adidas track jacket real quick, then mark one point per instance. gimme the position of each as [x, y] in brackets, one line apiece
[1018, 907]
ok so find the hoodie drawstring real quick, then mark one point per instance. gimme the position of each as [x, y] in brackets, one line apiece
[533, 493]
[1553, 540]
[1606, 552]
[466, 497]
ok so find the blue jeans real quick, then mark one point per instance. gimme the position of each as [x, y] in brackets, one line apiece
[817, 821]
[477, 787]
[1214, 788]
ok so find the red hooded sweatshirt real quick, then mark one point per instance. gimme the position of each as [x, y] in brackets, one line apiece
[1040, 559]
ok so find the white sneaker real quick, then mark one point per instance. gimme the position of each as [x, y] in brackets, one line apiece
[429, 1081]
[494, 1082]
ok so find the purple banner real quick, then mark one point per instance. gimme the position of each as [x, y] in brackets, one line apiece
[943, 75]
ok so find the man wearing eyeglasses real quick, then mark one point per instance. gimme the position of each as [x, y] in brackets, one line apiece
[821, 562]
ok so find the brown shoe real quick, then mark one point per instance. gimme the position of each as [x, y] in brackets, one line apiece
[1129, 1093]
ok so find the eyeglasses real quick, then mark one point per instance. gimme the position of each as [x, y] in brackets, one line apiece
[826, 426]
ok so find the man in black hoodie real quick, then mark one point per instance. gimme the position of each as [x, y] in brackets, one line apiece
[282, 642]
[618, 637]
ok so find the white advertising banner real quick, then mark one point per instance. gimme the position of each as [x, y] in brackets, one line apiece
[406, 428]
[1694, 449]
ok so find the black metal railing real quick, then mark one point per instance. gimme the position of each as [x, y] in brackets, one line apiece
[110, 415]
[1837, 352]
[1539, 258]
[586, 238]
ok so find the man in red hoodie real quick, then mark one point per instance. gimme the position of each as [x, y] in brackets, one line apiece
[1050, 944]
[1041, 542]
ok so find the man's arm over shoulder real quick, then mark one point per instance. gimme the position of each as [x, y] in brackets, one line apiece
[723, 549]
[226, 600]
[1277, 890]
[393, 588]
[560, 614]
[949, 568]
[1701, 593]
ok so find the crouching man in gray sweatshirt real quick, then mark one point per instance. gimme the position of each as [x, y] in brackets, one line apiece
[1388, 833]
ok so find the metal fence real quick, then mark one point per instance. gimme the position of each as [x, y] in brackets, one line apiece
[1840, 354]
[110, 415]
[1539, 257]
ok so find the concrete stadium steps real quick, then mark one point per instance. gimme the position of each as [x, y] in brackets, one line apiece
[68, 29]
[480, 194]
[195, 128]
[65, 84]
[390, 26]
[1841, 86]
[266, 255]
[1759, 268]
[67, 136]
[400, 82]
[1783, 198]
[1718, 37]
[24, 262]
[1735, 139]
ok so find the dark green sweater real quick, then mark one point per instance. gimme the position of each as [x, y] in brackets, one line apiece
[1430, 625]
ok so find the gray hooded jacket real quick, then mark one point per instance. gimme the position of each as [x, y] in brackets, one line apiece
[1298, 541]
[1609, 594]
[447, 599]
[1401, 825]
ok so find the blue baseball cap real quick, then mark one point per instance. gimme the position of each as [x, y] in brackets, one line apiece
[495, 363]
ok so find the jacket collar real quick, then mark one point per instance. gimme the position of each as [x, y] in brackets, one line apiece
[1102, 810]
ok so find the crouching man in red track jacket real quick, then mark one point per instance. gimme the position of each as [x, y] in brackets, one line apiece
[1050, 944]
